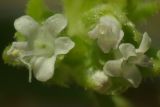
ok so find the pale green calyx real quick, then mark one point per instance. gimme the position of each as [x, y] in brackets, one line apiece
[108, 33]
[42, 44]
[126, 66]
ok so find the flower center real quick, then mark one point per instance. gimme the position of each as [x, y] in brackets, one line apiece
[41, 47]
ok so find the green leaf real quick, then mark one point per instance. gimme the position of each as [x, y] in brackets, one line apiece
[38, 10]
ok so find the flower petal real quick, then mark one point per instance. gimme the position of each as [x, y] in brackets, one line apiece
[26, 25]
[56, 23]
[63, 45]
[145, 44]
[111, 22]
[106, 43]
[109, 41]
[132, 74]
[113, 68]
[120, 38]
[127, 50]
[16, 48]
[43, 68]
[141, 60]
[109, 33]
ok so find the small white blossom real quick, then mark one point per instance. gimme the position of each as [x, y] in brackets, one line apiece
[99, 81]
[108, 33]
[126, 66]
[42, 45]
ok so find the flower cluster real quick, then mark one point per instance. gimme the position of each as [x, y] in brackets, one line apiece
[42, 46]
[109, 35]
[94, 45]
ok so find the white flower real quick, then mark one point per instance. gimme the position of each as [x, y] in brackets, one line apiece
[42, 45]
[108, 33]
[126, 66]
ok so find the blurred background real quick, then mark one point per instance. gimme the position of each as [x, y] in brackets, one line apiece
[15, 91]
